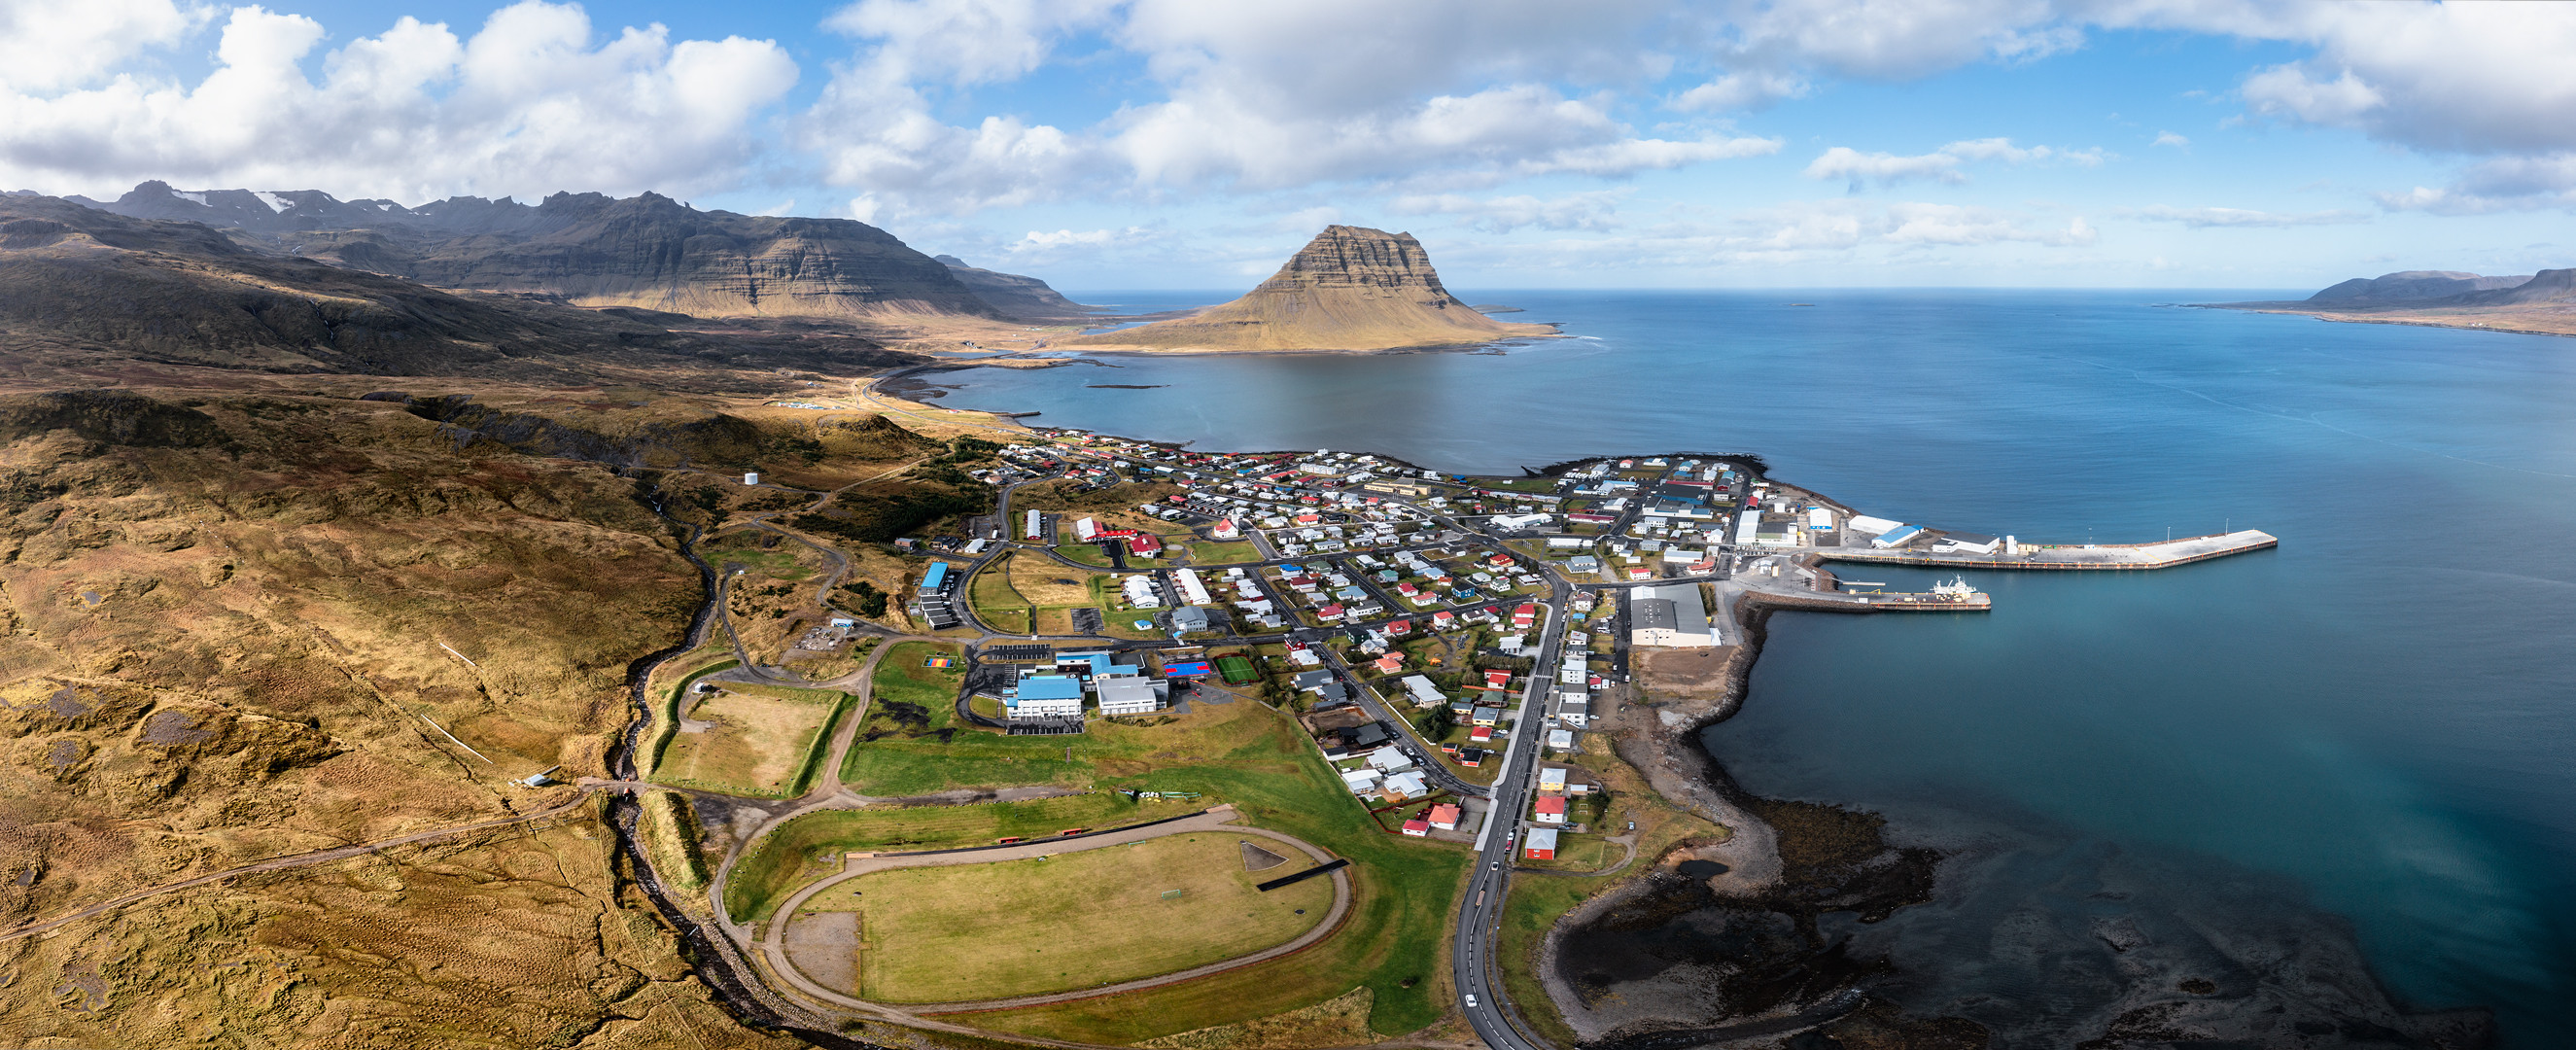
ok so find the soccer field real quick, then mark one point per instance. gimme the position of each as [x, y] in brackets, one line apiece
[1075, 920]
[1238, 670]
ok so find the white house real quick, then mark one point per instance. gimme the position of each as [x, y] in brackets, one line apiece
[1424, 693]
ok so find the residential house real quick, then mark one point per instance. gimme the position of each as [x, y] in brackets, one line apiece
[1444, 816]
[1551, 809]
[1424, 693]
[1541, 844]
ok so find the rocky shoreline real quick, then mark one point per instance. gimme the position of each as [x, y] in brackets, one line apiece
[1779, 932]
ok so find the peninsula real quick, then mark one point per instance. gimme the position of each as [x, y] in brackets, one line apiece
[1351, 288]
[2542, 304]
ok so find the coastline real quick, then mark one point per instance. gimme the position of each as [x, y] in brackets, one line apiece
[2461, 322]
[1843, 864]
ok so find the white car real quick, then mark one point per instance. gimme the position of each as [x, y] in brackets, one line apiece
[1471, 1002]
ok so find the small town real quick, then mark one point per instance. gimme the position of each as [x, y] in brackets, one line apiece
[1135, 641]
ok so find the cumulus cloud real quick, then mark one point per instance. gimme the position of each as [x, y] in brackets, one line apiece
[2501, 184]
[2204, 218]
[1596, 211]
[1255, 97]
[529, 104]
[2476, 78]
[1856, 167]
[2167, 138]
[47, 45]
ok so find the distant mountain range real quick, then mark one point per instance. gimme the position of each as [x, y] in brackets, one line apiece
[2407, 286]
[646, 251]
[88, 293]
[1351, 288]
[2543, 303]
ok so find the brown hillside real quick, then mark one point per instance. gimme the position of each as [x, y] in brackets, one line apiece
[1351, 288]
[83, 289]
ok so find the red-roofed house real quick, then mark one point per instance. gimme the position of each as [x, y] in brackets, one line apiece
[1390, 663]
[1445, 817]
[1498, 679]
[1331, 612]
[1481, 735]
[1399, 628]
[1551, 810]
[1443, 620]
[1417, 828]
[1524, 616]
[1144, 546]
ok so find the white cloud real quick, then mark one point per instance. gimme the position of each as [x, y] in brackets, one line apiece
[48, 44]
[1596, 211]
[528, 105]
[2167, 138]
[2501, 184]
[1757, 89]
[1845, 163]
[2203, 218]
[2445, 77]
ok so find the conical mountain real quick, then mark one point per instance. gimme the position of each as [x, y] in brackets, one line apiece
[1351, 288]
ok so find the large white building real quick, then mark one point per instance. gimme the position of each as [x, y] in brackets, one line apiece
[1669, 616]
[1046, 696]
[1129, 694]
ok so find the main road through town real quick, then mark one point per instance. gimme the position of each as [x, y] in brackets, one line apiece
[1482, 997]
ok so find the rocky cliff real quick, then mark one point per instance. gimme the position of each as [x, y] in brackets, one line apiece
[82, 289]
[1024, 298]
[648, 251]
[1351, 288]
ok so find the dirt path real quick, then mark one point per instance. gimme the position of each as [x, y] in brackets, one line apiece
[1220, 819]
[827, 792]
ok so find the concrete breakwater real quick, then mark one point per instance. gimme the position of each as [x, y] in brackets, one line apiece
[2162, 555]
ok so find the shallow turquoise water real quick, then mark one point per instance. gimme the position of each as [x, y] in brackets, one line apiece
[2381, 713]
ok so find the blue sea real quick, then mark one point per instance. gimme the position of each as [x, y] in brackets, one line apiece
[2366, 734]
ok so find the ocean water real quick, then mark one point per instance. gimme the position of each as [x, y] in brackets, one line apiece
[2369, 732]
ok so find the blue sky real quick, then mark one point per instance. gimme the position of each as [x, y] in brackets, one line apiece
[1170, 144]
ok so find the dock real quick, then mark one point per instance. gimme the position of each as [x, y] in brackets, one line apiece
[1872, 601]
[1807, 584]
[2163, 555]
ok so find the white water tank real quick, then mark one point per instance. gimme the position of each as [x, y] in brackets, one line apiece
[751, 478]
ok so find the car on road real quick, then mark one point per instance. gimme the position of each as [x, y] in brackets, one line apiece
[1471, 1002]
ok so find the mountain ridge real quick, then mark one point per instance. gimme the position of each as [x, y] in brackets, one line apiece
[84, 290]
[1351, 288]
[645, 251]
